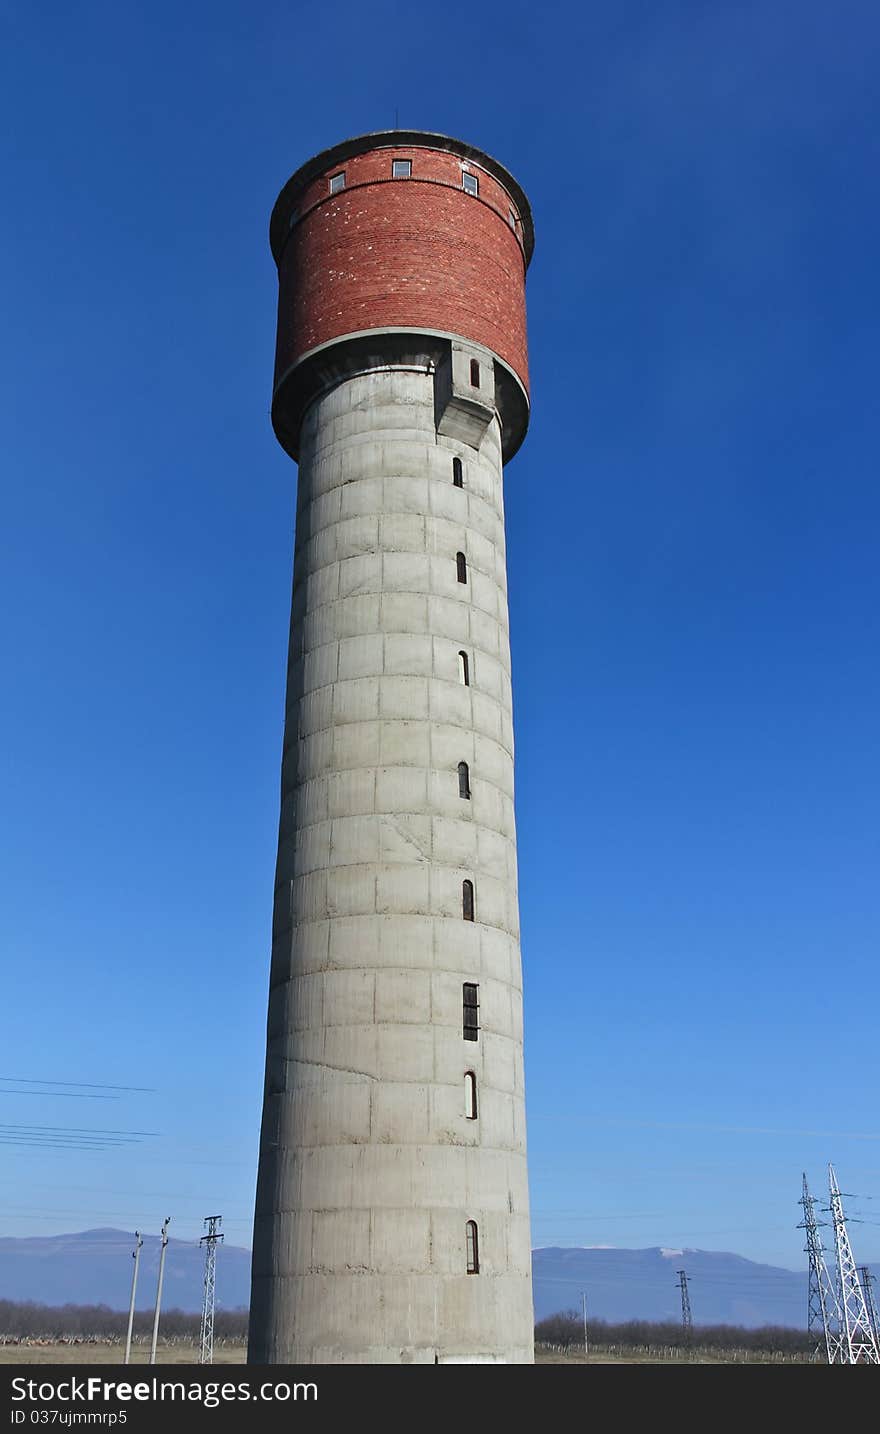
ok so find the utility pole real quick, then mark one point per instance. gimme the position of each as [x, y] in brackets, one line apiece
[857, 1337]
[867, 1280]
[586, 1338]
[136, 1256]
[210, 1242]
[687, 1323]
[159, 1288]
[822, 1305]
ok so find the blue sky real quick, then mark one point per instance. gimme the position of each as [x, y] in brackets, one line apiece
[693, 537]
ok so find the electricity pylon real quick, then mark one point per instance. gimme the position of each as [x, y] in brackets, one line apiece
[870, 1305]
[823, 1310]
[858, 1341]
[210, 1242]
[687, 1323]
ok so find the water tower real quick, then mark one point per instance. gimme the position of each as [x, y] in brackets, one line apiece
[392, 1219]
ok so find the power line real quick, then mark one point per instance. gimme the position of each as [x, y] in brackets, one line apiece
[60, 1094]
[21, 1144]
[78, 1129]
[23, 1136]
[79, 1084]
[69, 1137]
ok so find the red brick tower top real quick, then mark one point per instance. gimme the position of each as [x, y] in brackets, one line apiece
[387, 246]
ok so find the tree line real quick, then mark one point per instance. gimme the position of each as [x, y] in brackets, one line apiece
[25, 1320]
[565, 1331]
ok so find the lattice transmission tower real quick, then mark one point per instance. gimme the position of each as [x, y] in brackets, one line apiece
[210, 1240]
[823, 1310]
[858, 1341]
[870, 1303]
[687, 1323]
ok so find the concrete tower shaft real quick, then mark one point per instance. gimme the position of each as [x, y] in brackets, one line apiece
[392, 1205]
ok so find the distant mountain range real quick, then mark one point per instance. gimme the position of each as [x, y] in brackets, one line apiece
[642, 1284]
[94, 1267]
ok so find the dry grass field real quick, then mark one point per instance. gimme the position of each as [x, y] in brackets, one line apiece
[38, 1353]
[59, 1353]
[609, 1356]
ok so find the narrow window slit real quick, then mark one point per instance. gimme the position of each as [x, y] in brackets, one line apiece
[473, 1253]
[470, 1095]
[464, 669]
[461, 567]
[467, 900]
[470, 1005]
[464, 780]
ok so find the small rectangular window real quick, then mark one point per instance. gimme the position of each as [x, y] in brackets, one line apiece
[469, 183]
[401, 168]
[337, 182]
[473, 1251]
[470, 1000]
